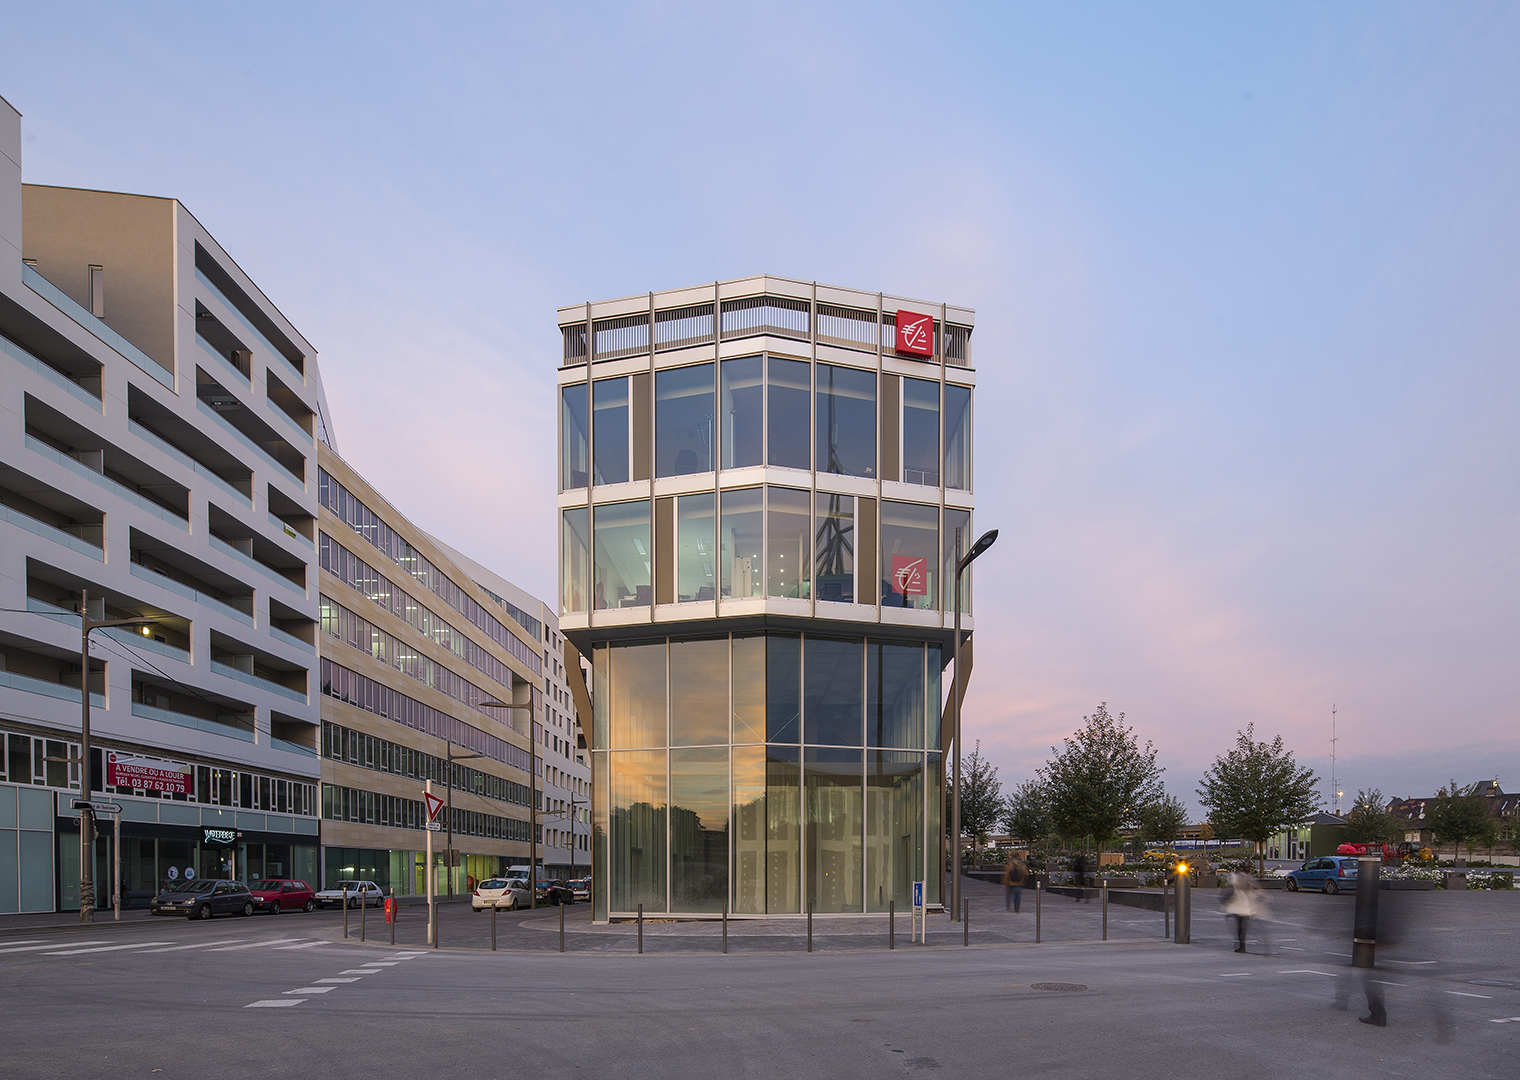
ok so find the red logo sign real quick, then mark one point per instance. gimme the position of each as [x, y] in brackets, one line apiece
[147, 774]
[910, 575]
[915, 333]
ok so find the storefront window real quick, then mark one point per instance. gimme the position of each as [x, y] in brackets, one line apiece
[831, 705]
[573, 431]
[920, 432]
[788, 390]
[749, 688]
[767, 843]
[894, 825]
[936, 695]
[743, 537]
[834, 815]
[609, 409]
[934, 773]
[575, 560]
[958, 437]
[696, 543]
[846, 420]
[742, 411]
[895, 695]
[910, 563]
[699, 803]
[699, 692]
[622, 555]
[834, 548]
[637, 855]
[957, 519]
[683, 436]
[788, 543]
[783, 688]
[637, 695]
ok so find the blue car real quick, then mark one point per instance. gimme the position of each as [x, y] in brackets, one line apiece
[1330, 874]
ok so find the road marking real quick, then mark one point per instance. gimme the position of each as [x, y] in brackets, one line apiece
[359, 971]
[1235, 975]
[1506, 1020]
[1464, 993]
[23, 941]
[106, 948]
[311, 990]
[197, 945]
[337, 980]
[1295, 948]
[306, 945]
[273, 1004]
[1307, 971]
[257, 944]
[1385, 982]
[1409, 963]
[53, 945]
[382, 963]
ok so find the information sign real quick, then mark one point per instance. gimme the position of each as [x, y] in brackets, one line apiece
[147, 774]
[434, 826]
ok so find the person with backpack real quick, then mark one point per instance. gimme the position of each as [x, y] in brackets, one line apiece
[1014, 877]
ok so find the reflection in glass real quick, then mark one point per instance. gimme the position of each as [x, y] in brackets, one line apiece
[936, 695]
[696, 541]
[957, 518]
[749, 688]
[767, 815]
[834, 548]
[575, 560]
[622, 555]
[894, 826]
[637, 694]
[599, 824]
[783, 688]
[834, 816]
[909, 555]
[846, 420]
[743, 536]
[742, 408]
[788, 390]
[699, 692]
[895, 695]
[789, 543]
[683, 420]
[637, 873]
[958, 437]
[934, 807]
[609, 410]
[699, 828]
[573, 430]
[831, 705]
[920, 432]
[600, 703]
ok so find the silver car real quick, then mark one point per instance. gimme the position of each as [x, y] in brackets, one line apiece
[354, 892]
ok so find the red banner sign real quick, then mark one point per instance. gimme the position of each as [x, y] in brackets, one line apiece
[915, 333]
[910, 575]
[147, 774]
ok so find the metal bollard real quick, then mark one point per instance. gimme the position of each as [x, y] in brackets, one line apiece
[1364, 932]
[1166, 910]
[725, 928]
[435, 920]
[493, 927]
[1039, 891]
[363, 911]
[1184, 934]
[966, 923]
[345, 914]
[810, 926]
[891, 924]
[1105, 909]
[641, 929]
[395, 914]
[562, 928]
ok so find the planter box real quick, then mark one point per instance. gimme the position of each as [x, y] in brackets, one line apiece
[1271, 883]
[1407, 886]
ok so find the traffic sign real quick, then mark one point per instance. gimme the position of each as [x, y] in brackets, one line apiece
[434, 826]
[434, 804]
[918, 894]
[97, 807]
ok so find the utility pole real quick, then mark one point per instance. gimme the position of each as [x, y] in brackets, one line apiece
[986, 541]
[448, 857]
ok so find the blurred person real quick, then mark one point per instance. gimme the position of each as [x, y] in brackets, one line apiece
[1396, 927]
[1014, 877]
[1240, 901]
[1079, 874]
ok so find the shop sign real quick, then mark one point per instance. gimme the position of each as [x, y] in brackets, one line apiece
[147, 774]
[911, 575]
[219, 836]
[915, 333]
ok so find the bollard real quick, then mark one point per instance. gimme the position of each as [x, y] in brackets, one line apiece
[1184, 934]
[810, 926]
[395, 914]
[725, 928]
[345, 912]
[891, 924]
[1166, 911]
[966, 923]
[562, 928]
[1039, 891]
[363, 911]
[1105, 909]
[1364, 932]
[641, 929]
[434, 911]
[493, 927]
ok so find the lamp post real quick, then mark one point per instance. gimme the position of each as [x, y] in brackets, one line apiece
[961, 562]
[532, 798]
[86, 813]
[449, 822]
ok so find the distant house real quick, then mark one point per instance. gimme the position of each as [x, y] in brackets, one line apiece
[1319, 834]
[1503, 807]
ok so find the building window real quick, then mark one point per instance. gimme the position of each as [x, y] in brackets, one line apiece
[573, 432]
[846, 408]
[895, 695]
[920, 432]
[699, 802]
[834, 548]
[958, 437]
[621, 553]
[696, 548]
[742, 543]
[835, 817]
[788, 390]
[788, 543]
[638, 695]
[743, 412]
[957, 519]
[609, 407]
[637, 834]
[909, 555]
[575, 560]
[683, 434]
[832, 708]
[699, 692]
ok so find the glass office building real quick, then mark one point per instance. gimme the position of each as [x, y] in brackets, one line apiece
[760, 486]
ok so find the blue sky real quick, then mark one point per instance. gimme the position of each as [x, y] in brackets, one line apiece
[1245, 278]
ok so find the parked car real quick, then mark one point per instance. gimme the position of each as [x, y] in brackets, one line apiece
[554, 891]
[509, 893]
[355, 892]
[1330, 874]
[275, 895]
[202, 898]
[580, 889]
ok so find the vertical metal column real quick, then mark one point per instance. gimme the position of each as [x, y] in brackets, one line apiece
[561, 927]
[641, 929]
[345, 911]
[957, 690]
[493, 927]
[810, 926]
[395, 914]
[1039, 891]
[363, 911]
[966, 923]
[725, 928]
[1184, 909]
[1364, 932]
[1105, 909]
[116, 869]
[891, 924]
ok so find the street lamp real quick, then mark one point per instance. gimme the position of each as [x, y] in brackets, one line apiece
[961, 562]
[451, 757]
[532, 799]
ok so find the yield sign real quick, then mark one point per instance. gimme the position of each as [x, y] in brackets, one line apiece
[434, 804]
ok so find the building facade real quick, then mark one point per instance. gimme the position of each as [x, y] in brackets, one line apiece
[159, 419]
[416, 659]
[761, 483]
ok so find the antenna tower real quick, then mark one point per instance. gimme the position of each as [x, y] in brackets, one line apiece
[1335, 785]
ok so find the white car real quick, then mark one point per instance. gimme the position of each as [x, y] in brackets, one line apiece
[499, 892]
[355, 892]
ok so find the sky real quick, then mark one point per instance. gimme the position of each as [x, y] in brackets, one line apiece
[1245, 279]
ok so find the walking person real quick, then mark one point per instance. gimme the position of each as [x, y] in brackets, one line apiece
[1014, 877]
[1240, 903]
[1079, 874]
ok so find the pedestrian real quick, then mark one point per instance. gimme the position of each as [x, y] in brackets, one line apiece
[1014, 876]
[1079, 874]
[1240, 904]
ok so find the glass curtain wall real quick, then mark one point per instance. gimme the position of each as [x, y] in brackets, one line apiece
[846, 406]
[610, 437]
[910, 558]
[696, 542]
[622, 561]
[575, 560]
[788, 391]
[743, 543]
[956, 519]
[742, 407]
[920, 432]
[789, 543]
[699, 804]
[683, 423]
[573, 444]
[834, 548]
[958, 437]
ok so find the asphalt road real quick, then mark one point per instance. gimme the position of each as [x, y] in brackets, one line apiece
[287, 995]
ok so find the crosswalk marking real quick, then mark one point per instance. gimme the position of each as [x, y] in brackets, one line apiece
[105, 948]
[337, 980]
[1235, 975]
[304, 945]
[359, 971]
[1307, 971]
[197, 945]
[1464, 993]
[53, 945]
[274, 1004]
[382, 963]
[257, 944]
[311, 990]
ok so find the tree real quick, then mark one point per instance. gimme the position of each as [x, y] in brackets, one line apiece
[1459, 815]
[1026, 813]
[1099, 781]
[1163, 820]
[1369, 820]
[1257, 789]
[981, 798]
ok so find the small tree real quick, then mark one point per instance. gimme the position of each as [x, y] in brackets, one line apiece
[1026, 813]
[1369, 820]
[1101, 778]
[981, 799]
[1163, 820]
[1459, 815]
[1257, 789]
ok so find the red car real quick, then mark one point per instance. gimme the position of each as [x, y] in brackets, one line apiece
[282, 894]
